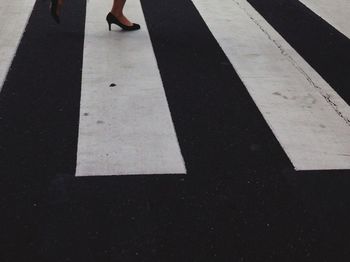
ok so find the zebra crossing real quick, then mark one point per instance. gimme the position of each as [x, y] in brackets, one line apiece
[220, 74]
[129, 125]
[125, 123]
[309, 119]
[11, 32]
[335, 13]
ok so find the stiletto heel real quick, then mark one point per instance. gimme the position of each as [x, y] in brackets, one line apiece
[111, 19]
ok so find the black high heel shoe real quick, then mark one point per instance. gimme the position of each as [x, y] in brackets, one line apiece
[53, 9]
[111, 19]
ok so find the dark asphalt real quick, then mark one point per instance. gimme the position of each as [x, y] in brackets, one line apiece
[241, 199]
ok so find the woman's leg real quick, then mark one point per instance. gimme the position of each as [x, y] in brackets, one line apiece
[117, 11]
[60, 4]
[55, 9]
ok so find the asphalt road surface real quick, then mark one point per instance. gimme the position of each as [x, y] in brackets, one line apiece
[220, 131]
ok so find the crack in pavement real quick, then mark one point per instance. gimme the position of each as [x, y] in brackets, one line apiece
[323, 93]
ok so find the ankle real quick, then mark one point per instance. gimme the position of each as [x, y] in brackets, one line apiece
[117, 13]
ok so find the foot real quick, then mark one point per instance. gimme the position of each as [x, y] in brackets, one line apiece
[122, 19]
[122, 22]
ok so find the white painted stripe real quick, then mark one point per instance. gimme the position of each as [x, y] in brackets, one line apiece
[126, 129]
[335, 12]
[306, 115]
[14, 16]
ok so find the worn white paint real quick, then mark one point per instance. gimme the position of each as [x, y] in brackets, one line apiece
[14, 16]
[307, 116]
[335, 12]
[126, 129]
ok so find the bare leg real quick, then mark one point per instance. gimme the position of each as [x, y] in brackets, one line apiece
[59, 7]
[60, 4]
[117, 11]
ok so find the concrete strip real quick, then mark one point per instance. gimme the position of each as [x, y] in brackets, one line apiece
[14, 16]
[335, 12]
[307, 116]
[125, 123]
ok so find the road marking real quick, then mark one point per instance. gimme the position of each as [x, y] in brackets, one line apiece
[335, 12]
[14, 16]
[125, 123]
[309, 119]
